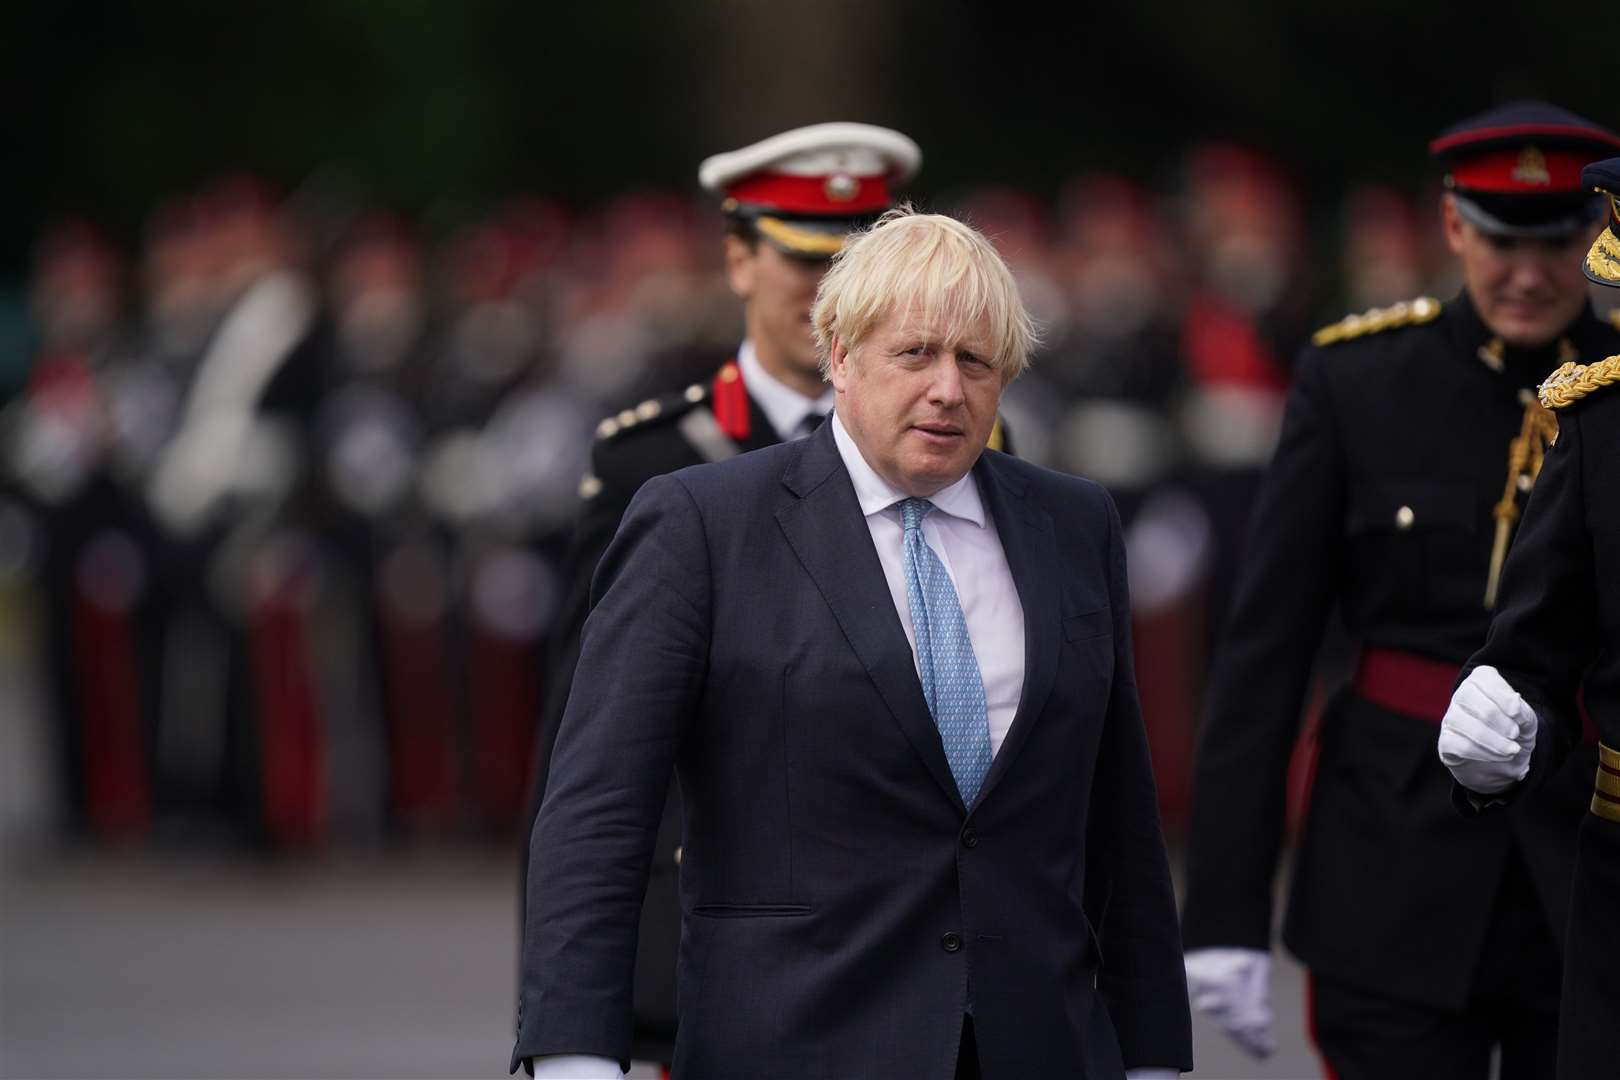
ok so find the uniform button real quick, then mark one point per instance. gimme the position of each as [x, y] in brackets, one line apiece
[970, 837]
[678, 852]
[1404, 518]
[951, 942]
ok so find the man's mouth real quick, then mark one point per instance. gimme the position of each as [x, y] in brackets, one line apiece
[938, 431]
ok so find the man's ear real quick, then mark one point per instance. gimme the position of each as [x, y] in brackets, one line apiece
[1452, 222]
[741, 261]
[838, 364]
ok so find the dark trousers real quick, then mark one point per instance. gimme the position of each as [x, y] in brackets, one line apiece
[1588, 1046]
[1363, 1035]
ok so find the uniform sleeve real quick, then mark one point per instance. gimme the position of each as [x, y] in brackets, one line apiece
[1545, 632]
[1128, 888]
[643, 658]
[1263, 664]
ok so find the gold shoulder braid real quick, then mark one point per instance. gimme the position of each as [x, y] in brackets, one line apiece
[1572, 382]
[1406, 313]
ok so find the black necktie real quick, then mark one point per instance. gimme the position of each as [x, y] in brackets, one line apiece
[808, 425]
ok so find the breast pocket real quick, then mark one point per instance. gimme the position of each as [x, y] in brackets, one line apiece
[1404, 533]
[1088, 624]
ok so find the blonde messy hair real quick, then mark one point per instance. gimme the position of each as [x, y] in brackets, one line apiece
[930, 262]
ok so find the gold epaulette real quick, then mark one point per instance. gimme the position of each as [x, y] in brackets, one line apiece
[1572, 382]
[650, 409]
[1406, 313]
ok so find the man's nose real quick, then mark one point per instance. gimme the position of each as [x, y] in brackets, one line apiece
[1529, 271]
[945, 389]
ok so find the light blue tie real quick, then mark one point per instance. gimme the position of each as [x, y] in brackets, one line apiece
[950, 671]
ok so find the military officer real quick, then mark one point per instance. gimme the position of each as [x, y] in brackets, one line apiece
[788, 203]
[1410, 436]
[1550, 671]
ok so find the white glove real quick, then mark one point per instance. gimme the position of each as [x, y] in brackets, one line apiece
[576, 1067]
[1488, 733]
[1232, 988]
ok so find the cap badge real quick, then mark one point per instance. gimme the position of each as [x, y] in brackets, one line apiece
[1532, 168]
[841, 187]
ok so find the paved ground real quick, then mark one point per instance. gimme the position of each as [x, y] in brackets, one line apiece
[396, 966]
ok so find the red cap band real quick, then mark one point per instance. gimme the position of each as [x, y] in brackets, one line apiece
[839, 194]
[1522, 171]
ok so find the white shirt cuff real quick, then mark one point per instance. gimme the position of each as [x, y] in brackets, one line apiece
[576, 1067]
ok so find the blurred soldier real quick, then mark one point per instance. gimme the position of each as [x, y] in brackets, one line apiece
[1515, 725]
[367, 451]
[59, 482]
[1430, 940]
[469, 592]
[239, 727]
[788, 201]
[1243, 320]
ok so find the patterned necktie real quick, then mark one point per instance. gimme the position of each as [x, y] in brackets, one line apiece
[950, 671]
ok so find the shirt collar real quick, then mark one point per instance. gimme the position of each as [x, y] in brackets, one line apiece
[876, 494]
[782, 405]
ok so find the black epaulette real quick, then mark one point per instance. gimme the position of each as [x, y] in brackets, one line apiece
[1572, 382]
[1406, 313]
[664, 408]
[650, 413]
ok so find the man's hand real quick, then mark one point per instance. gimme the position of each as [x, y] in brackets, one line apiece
[1232, 988]
[1488, 733]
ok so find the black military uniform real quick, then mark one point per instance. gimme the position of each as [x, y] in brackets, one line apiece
[1382, 502]
[1556, 640]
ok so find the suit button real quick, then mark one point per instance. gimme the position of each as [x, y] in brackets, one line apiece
[951, 942]
[970, 837]
[1404, 517]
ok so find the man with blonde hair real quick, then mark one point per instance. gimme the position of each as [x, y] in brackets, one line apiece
[893, 673]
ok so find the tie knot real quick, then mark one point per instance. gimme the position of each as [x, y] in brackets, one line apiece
[912, 512]
[812, 420]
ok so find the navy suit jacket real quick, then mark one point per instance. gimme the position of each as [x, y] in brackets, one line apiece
[842, 908]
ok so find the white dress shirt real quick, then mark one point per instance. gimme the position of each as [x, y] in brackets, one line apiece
[782, 405]
[964, 537]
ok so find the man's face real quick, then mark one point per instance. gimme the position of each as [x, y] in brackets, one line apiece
[1527, 291]
[919, 398]
[777, 291]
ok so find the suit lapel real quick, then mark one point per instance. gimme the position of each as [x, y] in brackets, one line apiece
[1030, 544]
[827, 531]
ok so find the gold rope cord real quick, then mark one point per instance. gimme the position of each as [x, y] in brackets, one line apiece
[1574, 381]
[1526, 453]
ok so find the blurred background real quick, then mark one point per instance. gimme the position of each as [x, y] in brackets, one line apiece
[270, 643]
